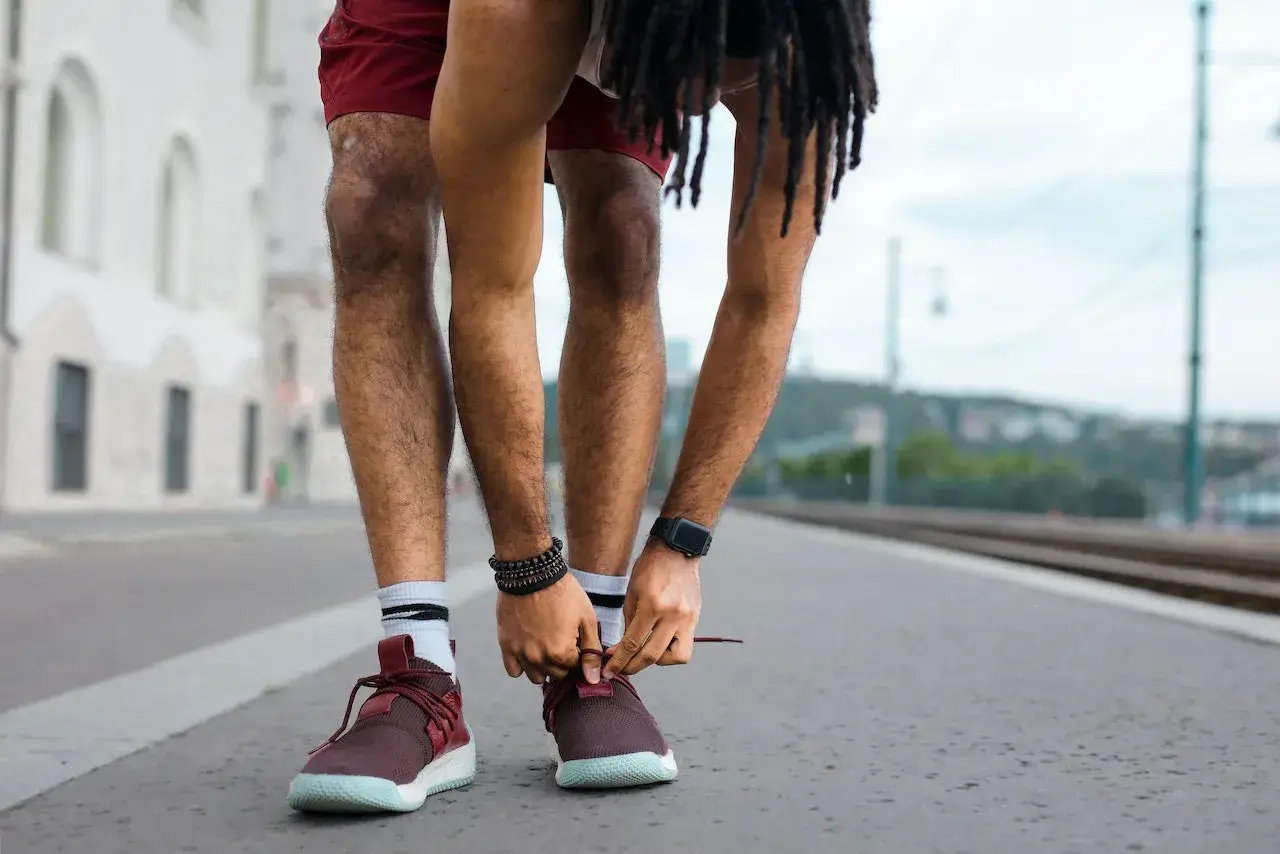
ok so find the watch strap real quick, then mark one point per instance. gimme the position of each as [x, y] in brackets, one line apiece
[664, 526]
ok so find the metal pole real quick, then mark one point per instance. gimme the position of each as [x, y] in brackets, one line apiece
[1193, 466]
[882, 457]
[11, 82]
[8, 339]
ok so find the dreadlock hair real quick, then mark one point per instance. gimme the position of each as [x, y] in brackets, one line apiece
[815, 53]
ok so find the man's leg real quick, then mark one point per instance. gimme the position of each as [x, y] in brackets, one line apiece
[393, 399]
[611, 390]
[612, 370]
[389, 369]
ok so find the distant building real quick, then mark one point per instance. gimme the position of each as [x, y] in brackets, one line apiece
[137, 257]
[1017, 426]
[1252, 499]
[680, 367]
[303, 436]
[976, 426]
[1058, 426]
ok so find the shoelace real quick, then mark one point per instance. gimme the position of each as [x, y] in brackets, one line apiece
[435, 707]
[558, 689]
[700, 639]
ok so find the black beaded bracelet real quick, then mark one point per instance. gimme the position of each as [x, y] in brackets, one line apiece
[525, 585]
[535, 562]
[523, 577]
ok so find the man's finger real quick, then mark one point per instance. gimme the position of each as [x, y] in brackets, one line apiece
[679, 651]
[556, 672]
[653, 649]
[628, 608]
[589, 638]
[512, 664]
[533, 669]
[629, 647]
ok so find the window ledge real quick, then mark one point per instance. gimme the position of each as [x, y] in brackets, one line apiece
[82, 265]
[194, 24]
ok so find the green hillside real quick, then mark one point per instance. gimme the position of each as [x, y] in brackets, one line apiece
[1103, 445]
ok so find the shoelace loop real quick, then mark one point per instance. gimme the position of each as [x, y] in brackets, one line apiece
[558, 689]
[435, 707]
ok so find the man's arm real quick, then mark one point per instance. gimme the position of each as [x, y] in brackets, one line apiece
[736, 390]
[506, 71]
[747, 357]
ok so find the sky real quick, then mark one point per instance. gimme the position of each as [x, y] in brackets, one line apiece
[1033, 159]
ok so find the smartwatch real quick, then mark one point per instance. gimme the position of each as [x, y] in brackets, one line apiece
[683, 535]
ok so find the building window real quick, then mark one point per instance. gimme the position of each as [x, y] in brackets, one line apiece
[289, 362]
[330, 415]
[250, 444]
[193, 7]
[71, 428]
[177, 440]
[54, 224]
[176, 225]
[260, 42]
[72, 166]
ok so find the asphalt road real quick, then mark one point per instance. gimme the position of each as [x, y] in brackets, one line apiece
[888, 699]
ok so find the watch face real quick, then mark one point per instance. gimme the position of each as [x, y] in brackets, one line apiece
[689, 537]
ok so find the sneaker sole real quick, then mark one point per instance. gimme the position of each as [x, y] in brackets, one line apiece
[614, 772]
[345, 793]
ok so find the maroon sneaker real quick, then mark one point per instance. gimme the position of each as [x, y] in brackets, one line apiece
[409, 741]
[602, 736]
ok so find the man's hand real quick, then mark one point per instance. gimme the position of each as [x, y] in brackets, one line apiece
[541, 634]
[663, 602]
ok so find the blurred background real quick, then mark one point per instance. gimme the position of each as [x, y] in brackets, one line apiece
[999, 316]
[1048, 296]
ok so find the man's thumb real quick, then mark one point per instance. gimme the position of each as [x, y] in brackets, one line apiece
[589, 649]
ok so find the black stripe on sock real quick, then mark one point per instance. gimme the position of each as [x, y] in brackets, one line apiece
[416, 611]
[604, 600]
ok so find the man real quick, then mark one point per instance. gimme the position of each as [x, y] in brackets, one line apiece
[378, 69]
[487, 151]
[509, 65]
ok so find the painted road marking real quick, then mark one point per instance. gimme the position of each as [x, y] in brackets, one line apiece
[49, 742]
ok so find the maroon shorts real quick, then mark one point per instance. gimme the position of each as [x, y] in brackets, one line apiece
[384, 56]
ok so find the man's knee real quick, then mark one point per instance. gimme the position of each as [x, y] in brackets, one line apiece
[612, 246]
[379, 205]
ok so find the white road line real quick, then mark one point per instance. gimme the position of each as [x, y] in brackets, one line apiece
[14, 546]
[1246, 624]
[47, 743]
[53, 544]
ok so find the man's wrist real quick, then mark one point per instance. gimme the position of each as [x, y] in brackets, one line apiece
[659, 549]
[682, 535]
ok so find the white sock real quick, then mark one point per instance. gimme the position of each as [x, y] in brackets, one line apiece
[607, 593]
[420, 609]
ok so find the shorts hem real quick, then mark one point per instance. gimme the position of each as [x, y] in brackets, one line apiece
[339, 107]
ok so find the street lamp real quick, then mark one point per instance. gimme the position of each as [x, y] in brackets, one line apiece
[882, 462]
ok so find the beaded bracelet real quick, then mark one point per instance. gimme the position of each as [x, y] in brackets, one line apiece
[523, 577]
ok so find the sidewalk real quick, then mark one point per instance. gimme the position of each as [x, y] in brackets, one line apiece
[30, 534]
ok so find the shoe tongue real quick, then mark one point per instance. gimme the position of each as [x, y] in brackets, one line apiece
[437, 682]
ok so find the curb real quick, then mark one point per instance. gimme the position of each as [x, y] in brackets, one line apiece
[14, 546]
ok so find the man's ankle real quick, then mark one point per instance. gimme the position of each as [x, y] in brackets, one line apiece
[607, 594]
